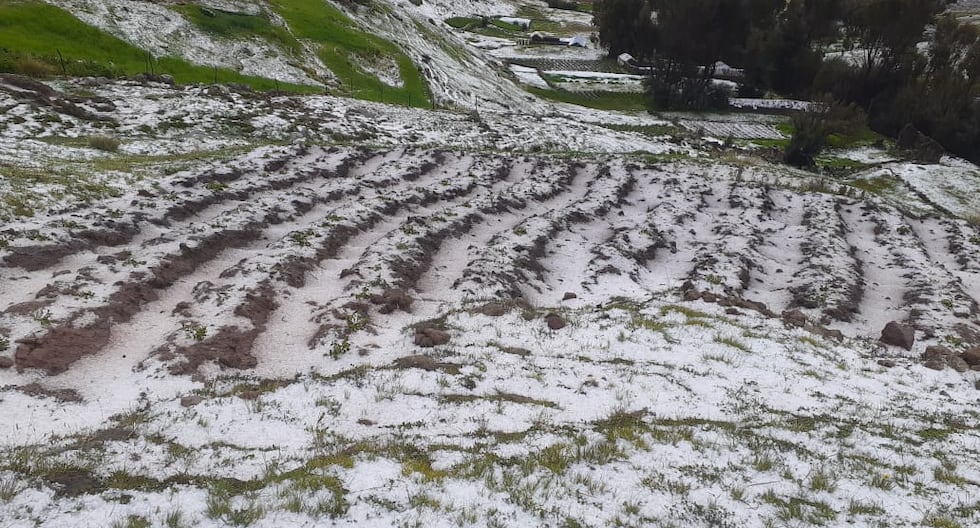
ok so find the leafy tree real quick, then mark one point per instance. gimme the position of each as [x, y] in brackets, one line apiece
[786, 54]
[692, 36]
[942, 101]
[625, 26]
[884, 33]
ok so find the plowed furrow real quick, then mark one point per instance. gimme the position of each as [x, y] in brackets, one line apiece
[780, 253]
[54, 351]
[679, 211]
[955, 245]
[381, 210]
[509, 266]
[189, 197]
[528, 184]
[934, 297]
[272, 207]
[830, 284]
[270, 300]
[724, 266]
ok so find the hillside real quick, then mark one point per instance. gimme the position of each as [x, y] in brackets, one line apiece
[227, 307]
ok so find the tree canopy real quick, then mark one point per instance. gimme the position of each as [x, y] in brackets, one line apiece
[901, 61]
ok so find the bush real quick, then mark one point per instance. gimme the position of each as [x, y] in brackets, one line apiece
[809, 136]
[811, 131]
[106, 143]
[684, 90]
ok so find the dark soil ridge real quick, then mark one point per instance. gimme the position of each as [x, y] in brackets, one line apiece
[42, 256]
[41, 95]
[808, 295]
[758, 201]
[231, 346]
[413, 261]
[65, 344]
[294, 271]
[527, 258]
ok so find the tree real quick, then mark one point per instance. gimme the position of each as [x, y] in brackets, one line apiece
[885, 33]
[692, 36]
[785, 54]
[942, 101]
[625, 26]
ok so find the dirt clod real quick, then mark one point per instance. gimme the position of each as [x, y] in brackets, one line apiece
[972, 356]
[493, 309]
[392, 299]
[794, 317]
[555, 321]
[426, 363]
[190, 401]
[431, 337]
[897, 334]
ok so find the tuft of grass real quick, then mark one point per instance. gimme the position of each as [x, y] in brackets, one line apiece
[104, 143]
[856, 507]
[624, 425]
[174, 519]
[133, 521]
[556, 458]
[940, 521]
[822, 480]
[421, 464]
[9, 488]
[878, 185]
[734, 343]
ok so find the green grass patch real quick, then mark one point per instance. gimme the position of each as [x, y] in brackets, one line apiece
[462, 22]
[506, 26]
[863, 137]
[42, 40]
[770, 143]
[236, 25]
[878, 185]
[539, 19]
[344, 49]
[839, 164]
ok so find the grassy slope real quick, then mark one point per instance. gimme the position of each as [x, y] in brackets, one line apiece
[342, 44]
[34, 34]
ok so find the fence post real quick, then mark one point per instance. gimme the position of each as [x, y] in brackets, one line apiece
[62, 61]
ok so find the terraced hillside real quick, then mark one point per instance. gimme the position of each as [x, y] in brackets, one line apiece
[322, 234]
[249, 318]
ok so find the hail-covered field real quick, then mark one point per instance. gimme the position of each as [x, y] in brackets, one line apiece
[230, 309]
